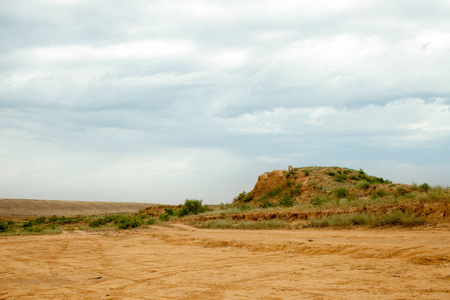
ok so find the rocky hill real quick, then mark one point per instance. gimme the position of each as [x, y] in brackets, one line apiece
[309, 184]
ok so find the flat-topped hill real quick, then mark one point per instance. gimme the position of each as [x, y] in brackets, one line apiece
[310, 184]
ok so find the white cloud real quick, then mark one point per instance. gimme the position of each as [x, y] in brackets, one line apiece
[404, 122]
[146, 49]
[229, 59]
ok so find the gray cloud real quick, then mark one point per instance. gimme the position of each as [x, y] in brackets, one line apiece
[119, 100]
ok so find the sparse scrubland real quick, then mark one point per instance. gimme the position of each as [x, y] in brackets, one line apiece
[331, 197]
[116, 256]
[301, 197]
[54, 224]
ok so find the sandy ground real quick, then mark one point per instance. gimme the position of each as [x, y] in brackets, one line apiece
[186, 263]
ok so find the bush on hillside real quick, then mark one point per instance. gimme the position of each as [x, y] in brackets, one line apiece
[267, 204]
[244, 196]
[362, 184]
[274, 192]
[424, 187]
[340, 192]
[287, 201]
[319, 201]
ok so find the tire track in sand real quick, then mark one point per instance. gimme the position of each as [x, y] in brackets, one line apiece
[52, 259]
[419, 254]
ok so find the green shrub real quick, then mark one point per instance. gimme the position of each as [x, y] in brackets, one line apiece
[97, 222]
[296, 192]
[340, 192]
[111, 218]
[63, 220]
[424, 187]
[248, 197]
[359, 219]
[341, 221]
[32, 229]
[379, 180]
[306, 172]
[287, 201]
[274, 192]
[331, 173]
[104, 220]
[53, 219]
[265, 224]
[267, 204]
[262, 198]
[289, 183]
[40, 220]
[289, 173]
[125, 222]
[218, 224]
[226, 206]
[240, 196]
[27, 224]
[151, 221]
[170, 211]
[319, 201]
[378, 193]
[244, 207]
[192, 207]
[164, 217]
[400, 190]
[365, 177]
[399, 218]
[340, 177]
[363, 184]
[6, 226]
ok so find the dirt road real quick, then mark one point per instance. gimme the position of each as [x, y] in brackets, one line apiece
[187, 263]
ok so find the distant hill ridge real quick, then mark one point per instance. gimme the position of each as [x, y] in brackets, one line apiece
[26, 207]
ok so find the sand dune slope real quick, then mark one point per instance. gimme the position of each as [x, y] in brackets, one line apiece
[186, 263]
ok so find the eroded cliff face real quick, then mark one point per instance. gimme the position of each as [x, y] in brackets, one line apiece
[298, 183]
[269, 181]
[305, 183]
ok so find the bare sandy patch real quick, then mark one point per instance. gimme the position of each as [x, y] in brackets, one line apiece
[181, 262]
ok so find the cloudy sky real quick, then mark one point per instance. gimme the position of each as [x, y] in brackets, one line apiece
[159, 101]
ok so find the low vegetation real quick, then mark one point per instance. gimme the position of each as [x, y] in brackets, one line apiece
[303, 197]
[396, 218]
[232, 224]
[36, 226]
